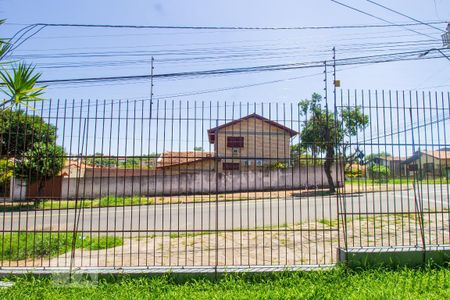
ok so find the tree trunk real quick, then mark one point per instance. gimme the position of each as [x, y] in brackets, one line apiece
[41, 187]
[327, 167]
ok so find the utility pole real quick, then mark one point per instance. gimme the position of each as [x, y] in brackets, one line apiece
[325, 80]
[151, 86]
[336, 83]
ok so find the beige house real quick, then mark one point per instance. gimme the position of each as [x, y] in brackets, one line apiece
[429, 163]
[250, 143]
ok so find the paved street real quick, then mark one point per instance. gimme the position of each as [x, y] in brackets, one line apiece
[222, 215]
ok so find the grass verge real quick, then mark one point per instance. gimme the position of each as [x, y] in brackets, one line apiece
[335, 284]
[113, 201]
[329, 223]
[438, 180]
[24, 245]
[100, 202]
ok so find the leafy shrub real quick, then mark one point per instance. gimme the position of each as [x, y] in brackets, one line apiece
[379, 172]
[19, 131]
[42, 161]
[278, 166]
[6, 170]
[355, 171]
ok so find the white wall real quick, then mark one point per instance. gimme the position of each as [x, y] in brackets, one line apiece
[18, 189]
[198, 183]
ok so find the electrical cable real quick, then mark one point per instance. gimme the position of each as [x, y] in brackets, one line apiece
[404, 15]
[373, 16]
[230, 27]
[273, 67]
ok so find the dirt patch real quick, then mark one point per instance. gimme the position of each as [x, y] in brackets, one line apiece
[305, 243]
[371, 188]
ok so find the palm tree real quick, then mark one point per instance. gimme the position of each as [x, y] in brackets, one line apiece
[18, 85]
[4, 45]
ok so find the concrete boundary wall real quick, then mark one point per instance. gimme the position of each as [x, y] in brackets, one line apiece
[198, 183]
[394, 256]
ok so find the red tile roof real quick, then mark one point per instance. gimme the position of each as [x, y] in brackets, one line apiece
[178, 158]
[212, 131]
[439, 154]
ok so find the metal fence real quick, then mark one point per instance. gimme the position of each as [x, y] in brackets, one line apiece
[412, 208]
[173, 183]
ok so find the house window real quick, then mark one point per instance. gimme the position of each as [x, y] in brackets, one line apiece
[230, 166]
[428, 167]
[248, 163]
[235, 142]
[413, 167]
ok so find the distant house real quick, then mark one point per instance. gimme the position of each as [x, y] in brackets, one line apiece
[73, 169]
[52, 187]
[394, 163]
[172, 163]
[250, 143]
[429, 162]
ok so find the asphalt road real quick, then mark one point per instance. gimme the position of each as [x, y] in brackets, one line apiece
[222, 215]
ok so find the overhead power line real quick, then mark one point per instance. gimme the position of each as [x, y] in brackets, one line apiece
[219, 72]
[378, 18]
[31, 30]
[399, 56]
[404, 15]
[360, 26]
[208, 91]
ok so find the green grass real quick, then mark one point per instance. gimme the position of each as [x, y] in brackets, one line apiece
[335, 284]
[330, 223]
[188, 234]
[101, 242]
[439, 180]
[23, 245]
[100, 202]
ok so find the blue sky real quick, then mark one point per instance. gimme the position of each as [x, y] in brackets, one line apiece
[78, 52]
[310, 44]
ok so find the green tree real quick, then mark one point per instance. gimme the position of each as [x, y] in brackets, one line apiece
[132, 162]
[323, 133]
[370, 157]
[6, 170]
[20, 84]
[40, 163]
[379, 172]
[352, 120]
[300, 157]
[99, 160]
[19, 131]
